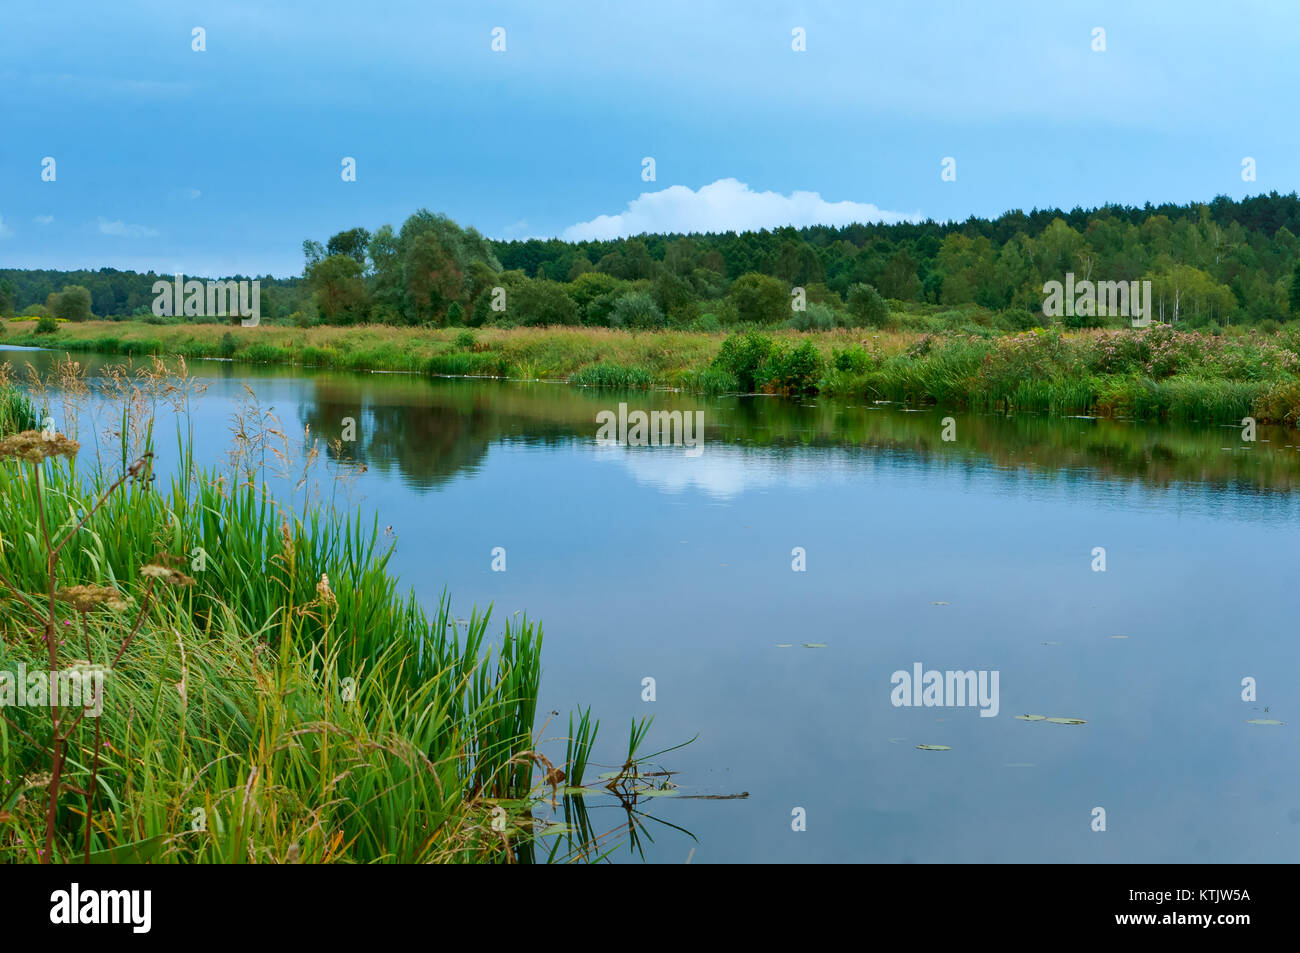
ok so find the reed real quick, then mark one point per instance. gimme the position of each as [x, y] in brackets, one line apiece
[283, 702]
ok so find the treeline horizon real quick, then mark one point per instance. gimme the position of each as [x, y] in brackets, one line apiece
[1221, 262]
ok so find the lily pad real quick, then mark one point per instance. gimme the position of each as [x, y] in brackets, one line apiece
[933, 748]
[1263, 721]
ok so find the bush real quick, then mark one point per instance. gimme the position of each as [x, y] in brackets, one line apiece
[759, 299]
[465, 340]
[71, 304]
[228, 345]
[853, 359]
[540, 302]
[1268, 326]
[796, 371]
[743, 357]
[46, 325]
[816, 317]
[637, 311]
[867, 307]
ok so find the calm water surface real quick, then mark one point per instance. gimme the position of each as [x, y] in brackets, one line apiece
[974, 554]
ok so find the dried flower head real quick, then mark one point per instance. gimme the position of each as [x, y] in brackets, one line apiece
[325, 593]
[35, 446]
[173, 577]
[86, 598]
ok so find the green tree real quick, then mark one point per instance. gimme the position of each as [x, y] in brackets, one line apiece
[352, 243]
[637, 311]
[338, 290]
[71, 304]
[537, 301]
[760, 299]
[867, 307]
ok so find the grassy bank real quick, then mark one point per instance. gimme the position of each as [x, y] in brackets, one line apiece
[269, 694]
[1155, 372]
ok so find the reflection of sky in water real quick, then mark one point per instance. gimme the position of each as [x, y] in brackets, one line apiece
[645, 562]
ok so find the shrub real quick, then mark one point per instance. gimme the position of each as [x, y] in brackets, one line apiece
[228, 345]
[637, 311]
[853, 359]
[867, 307]
[759, 299]
[46, 325]
[816, 317]
[743, 356]
[465, 340]
[795, 371]
[538, 301]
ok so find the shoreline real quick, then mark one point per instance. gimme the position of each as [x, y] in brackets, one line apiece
[1148, 374]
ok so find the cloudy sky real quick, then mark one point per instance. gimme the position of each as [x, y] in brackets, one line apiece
[224, 160]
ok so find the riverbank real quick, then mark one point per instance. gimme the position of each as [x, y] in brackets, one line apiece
[1149, 373]
[266, 692]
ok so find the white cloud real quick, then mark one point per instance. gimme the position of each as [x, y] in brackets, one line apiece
[726, 205]
[516, 230]
[124, 230]
[5, 230]
[194, 193]
[43, 219]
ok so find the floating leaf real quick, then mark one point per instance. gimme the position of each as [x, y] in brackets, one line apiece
[1066, 721]
[941, 603]
[1119, 636]
[1263, 721]
[813, 645]
[933, 748]
[785, 645]
[1032, 717]
[667, 792]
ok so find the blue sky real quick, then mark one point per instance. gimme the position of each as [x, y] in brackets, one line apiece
[223, 161]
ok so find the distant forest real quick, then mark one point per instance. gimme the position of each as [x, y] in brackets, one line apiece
[1225, 262]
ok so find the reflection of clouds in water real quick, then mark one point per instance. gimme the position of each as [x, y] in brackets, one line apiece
[727, 472]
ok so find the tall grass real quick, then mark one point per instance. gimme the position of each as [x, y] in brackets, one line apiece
[286, 703]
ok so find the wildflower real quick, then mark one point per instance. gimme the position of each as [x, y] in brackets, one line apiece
[86, 598]
[36, 446]
[172, 577]
[325, 593]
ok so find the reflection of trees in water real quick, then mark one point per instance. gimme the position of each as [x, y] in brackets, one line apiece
[427, 431]
[430, 430]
